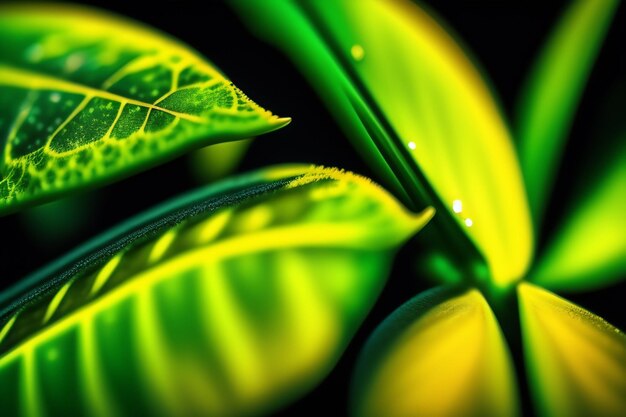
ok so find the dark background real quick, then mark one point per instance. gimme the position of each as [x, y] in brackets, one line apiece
[503, 36]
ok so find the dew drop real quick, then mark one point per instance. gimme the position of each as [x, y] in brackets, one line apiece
[468, 222]
[457, 206]
[412, 145]
[357, 51]
[55, 97]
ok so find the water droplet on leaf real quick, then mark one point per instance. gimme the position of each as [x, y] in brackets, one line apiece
[357, 51]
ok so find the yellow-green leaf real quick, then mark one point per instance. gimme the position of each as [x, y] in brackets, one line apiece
[589, 248]
[225, 303]
[410, 97]
[441, 354]
[217, 161]
[550, 97]
[576, 361]
[86, 97]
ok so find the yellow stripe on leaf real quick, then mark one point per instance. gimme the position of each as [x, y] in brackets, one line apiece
[245, 304]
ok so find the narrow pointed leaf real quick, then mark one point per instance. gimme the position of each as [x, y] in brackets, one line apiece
[408, 96]
[553, 90]
[589, 249]
[86, 97]
[228, 302]
[440, 354]
[576, 361]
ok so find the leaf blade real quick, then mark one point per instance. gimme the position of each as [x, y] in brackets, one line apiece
[243, 307]
[441, 353]
[552, 92]
[384, 94]
[569, 261]
[575, 359]
[89, 97]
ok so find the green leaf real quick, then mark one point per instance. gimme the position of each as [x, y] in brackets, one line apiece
[440, 354]
[86, 97]
[218, 161]
[413, 102]
[589, 248]
[576, 361]
[552, 92]
[231, 301]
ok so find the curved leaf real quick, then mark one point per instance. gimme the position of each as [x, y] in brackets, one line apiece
[217, 161]
[553, 89]
[415, 104]
[245, 303]
[440, 354]
[576, 361]
[86, 97]
[570, 261]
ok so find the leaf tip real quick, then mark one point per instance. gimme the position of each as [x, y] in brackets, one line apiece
[282, 121]
[418, 220]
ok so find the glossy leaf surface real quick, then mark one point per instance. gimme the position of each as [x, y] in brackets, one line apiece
[553, 90]
[576, 361]
[589, 249]
[86, 97]
[247, 302]
[417, 106]
[441, 354]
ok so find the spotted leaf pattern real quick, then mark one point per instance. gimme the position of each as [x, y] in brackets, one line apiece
[86, 97]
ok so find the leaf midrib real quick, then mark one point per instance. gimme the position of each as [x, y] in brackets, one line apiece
[30, 80]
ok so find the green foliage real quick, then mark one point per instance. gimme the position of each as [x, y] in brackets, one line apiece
[238, 298]
[552, 92]
[439, 137]
[421, 341]
[413, 103]
[575, 359]
[225, 302]
[86, 98]
[569, 261]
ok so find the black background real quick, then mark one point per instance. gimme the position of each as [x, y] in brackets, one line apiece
[503, 36]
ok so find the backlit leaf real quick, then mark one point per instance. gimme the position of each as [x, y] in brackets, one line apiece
[589, 249]
[553, 90]
[86, 97]
[417, 107]
[441, 354]
[576, 361]
[228, 302]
